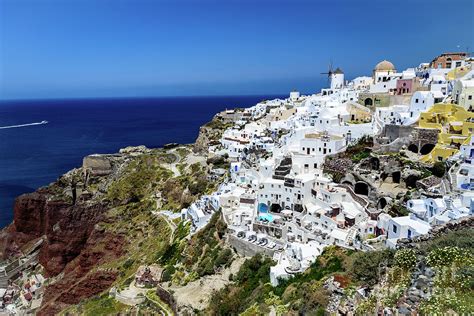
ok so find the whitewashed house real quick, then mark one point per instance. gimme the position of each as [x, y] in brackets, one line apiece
[404, 227]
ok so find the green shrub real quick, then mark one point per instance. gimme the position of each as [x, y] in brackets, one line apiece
[367, 266]
[447, 256]
[406, 258]
[224, 257]
[463, 238]
[438, 169]
[128, 263]
[168, 273]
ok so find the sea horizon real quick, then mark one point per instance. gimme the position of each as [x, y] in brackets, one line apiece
[269, 96]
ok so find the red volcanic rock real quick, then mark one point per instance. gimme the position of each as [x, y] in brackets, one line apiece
[66, 228]
[70, 228]
[29, 214]
[92, 284]
[71, 243]
[78, 281]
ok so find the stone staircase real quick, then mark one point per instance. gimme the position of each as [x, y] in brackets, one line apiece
[283, 169]
[351, 235]
[452, 177]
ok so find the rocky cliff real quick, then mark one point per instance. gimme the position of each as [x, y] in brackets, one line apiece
[77, 217]
[210, 133]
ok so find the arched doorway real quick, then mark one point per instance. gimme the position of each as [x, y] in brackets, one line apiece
[410, 181]
[381, 203]
[361, 188]
[275, 208]
[375, 163]
[413, 148]
[396, 176]
[426, 149]
[368, 102]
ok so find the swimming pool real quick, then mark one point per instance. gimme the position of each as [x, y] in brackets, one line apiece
[266, 216]
[263, 208]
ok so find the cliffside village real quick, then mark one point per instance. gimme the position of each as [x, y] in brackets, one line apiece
[295, 184]
[279, 197]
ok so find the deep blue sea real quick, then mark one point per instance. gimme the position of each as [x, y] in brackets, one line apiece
[34, 156]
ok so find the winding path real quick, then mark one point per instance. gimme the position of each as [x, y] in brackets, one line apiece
[172, 166]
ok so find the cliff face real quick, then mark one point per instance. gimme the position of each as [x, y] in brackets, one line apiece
[210, 133]
[65, 215]
[96, 225]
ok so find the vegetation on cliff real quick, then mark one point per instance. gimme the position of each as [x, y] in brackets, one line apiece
[203, 254]
[389, 276]
[138, 179]
[107, 224]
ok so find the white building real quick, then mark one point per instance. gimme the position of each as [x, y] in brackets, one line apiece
[404, 227]
[337, 79]
[441, 210]
[361, 83]
[463, 93]
[422, 101]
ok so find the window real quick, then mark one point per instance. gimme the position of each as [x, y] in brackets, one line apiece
[315, 166]
[394, 229]
[469, 97]
[409, 233]
[416, 100]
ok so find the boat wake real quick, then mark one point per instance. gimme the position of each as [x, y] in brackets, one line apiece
[24, 125]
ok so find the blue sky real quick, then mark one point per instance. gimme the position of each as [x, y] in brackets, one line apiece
[101, 48]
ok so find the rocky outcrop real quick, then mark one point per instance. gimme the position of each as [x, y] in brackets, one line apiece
[93, 284]
[207, 136]
[210, 133]
[80, 280]
[97, 165]
[74, 242]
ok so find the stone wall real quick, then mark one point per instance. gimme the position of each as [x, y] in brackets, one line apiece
[384, 99]
[394, 137]
[167, 298]
[426, 136]
[392, 132]
[247, 249]
[98, 165]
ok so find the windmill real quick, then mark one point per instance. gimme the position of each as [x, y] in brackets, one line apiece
[329, 72]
